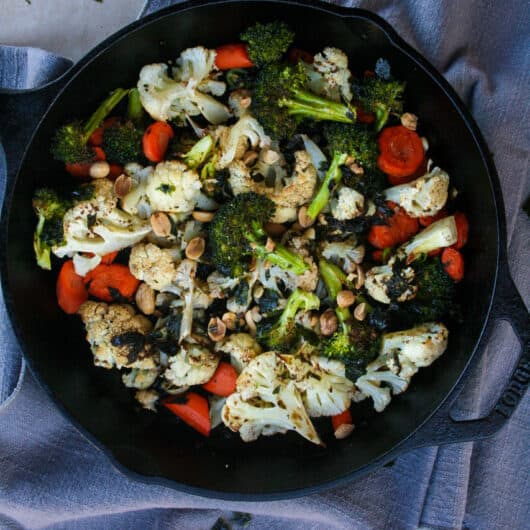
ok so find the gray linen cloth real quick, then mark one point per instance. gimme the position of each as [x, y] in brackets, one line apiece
[51, 477]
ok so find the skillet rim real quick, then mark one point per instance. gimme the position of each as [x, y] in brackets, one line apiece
[412, 55]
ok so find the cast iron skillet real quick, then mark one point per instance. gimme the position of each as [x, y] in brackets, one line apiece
[154, 447]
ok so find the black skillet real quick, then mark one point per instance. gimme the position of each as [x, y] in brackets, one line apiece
[154, 447]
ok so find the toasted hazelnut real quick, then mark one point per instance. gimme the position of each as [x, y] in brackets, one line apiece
[161, 224]
[195, 248]
[360, 277]
[256, 316]
[99, 169]
[344, 430]
[122, 185]
[202, 217]
[249, 319]
[275, 229]
[216, 329]
[303, 219]
[145, 299]
[409, 120]
[250, 158]
[345, 299]
[328, 322]
[360, 312]
[230, 320]
[270, 245]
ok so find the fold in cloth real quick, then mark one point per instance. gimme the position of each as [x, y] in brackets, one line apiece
[53, 478]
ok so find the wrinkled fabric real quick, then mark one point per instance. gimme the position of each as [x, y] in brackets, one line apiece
[51, 477]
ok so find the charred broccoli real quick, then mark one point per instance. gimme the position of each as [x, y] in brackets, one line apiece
[236, 234]
[122, 143]
[70, 142]
[283, 333]
[280, 101]
[267, 43]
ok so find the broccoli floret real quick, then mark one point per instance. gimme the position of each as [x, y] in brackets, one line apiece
[280, 102]
[70, 142]
[50, 210]
[123, 143]
[236, 234]
[267, 43]
[284, 332]
[344, 141]
[382, 97]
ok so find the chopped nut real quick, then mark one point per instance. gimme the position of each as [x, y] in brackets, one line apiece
[161, 224]
[122, 185]
[253, 263]
[328, 322]
[145, 299]
[275, 229]
[245, 102]
[344, 430]
[258, 292]
[195, 248]
[360, 312]
[216, 329]
[250, 158]
[322, 219]
[256, 316]
[270, 245]
[310, 233]
[359, 282]
[345, 298]
[356, 168]
[99, 169]
[409, 120]
[304, 219]
[202, 217]
[349, 160]
[314, 321]
[270, 156]
[249, 319]
[231, 321]
[371, 209]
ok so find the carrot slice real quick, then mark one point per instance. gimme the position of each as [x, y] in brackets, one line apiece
[344, 418]
[429, 220]
[79, 170]
[232, 56]
[111, 282]
[71, 291]
[99, 154]
[399, 228]
[223, 381]
[156, 139]
[194, 411]
[453, 263]
[115, 171]
[363, 116]
[422, 169]
[462, 229]
[96, 138]
[401, 151]
[107, 259]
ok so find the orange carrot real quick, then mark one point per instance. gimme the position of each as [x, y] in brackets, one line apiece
[232, 56]
[363, 116]
[296, 54]
[453, 263]
[194, 411]
[109, 282]
[223, 381]
[462, 229]
[156, 139]
[96, 138]
[399, 228]
[79, 170]
[71, 291]
[422, 169]
[400, 151]
[435, 252]
[344, 418]
[108, 259]
[429, 220]
[115, 171]
[99, 154]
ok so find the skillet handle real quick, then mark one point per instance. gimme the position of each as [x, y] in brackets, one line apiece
[442, 428]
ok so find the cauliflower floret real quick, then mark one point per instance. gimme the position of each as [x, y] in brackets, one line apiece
[236, 139]
[147, 398]
[267, 402]
[369, 385]
[329, 75]
[136, 201]
[346, 254]
[116, 335]
[173, 98]
[386, 283]
[153, 265]
[219, 285]
[424, 196]
[141, 379]
[239, 101]
[348, 205]
[241, 347]
[192, 365]
[98, 226]
[324, 391]
[297, 191]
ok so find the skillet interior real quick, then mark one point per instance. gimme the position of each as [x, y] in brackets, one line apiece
[155, 445]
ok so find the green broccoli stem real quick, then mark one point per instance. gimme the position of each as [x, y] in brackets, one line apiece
[382, 113]
[135, 111]
[333, 175]
[42, 250]
[308, 105]
[102, 112]
[297, 301]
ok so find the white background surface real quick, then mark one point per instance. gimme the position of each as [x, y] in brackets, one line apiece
[67, 27]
